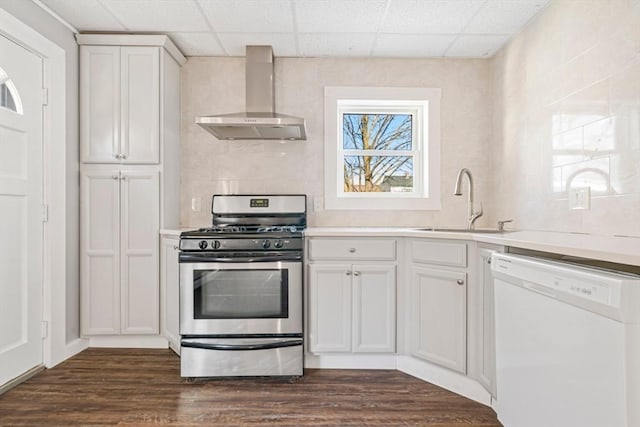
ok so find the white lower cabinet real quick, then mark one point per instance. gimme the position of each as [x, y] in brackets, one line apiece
[352, 308]
[119, 247]
[438, 303]
[169, 291]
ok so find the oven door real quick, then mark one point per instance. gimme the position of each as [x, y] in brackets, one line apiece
[240, 298]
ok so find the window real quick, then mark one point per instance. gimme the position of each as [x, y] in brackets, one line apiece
[8, 95]
[382, 148]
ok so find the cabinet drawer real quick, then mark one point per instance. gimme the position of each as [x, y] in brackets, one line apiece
[352, 249]
[441, 253]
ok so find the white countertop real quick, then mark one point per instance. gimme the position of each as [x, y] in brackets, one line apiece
[622, 250]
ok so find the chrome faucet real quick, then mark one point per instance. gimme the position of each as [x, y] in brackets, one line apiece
[473, 216]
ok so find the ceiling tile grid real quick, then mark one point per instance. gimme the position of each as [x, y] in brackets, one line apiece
[310, 28]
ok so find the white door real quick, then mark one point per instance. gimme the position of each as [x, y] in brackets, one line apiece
[20, 210]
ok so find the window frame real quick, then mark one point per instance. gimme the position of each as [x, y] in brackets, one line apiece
[424, 104]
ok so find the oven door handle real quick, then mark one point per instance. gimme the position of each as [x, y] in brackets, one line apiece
[241, 347]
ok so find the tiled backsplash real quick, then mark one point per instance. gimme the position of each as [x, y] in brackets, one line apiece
[567, 114]
[216, 86]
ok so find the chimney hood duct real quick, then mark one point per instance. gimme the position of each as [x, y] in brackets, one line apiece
[260, 121]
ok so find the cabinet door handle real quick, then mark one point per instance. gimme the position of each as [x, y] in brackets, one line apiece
[348, 273]
[123, 177]
[356, 273]
[352, 250]
[114, 176]
[488, 260]
[123, 156]
[460, 282]
[175, 247]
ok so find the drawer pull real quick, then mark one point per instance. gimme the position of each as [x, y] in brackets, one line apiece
[460, 282]
[352, 250]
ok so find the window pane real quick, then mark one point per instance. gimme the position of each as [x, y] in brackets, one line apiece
[6, 100]
[376, 131]
[8, 95]
[378, 174]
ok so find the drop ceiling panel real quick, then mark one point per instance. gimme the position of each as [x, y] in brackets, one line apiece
[151, 15]
[478, 46]
[381, 28]
[503, 16]
[197, 44]
[235, 43]
[412, 45]
[429, 16]
[332, 44]
[339, 16]
[260, 16]
[91, 16]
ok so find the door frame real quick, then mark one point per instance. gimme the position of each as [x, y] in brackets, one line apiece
[55, 346]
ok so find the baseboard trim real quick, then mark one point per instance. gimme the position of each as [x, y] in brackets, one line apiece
[444, 378]
[21, 378]
[76, 346]
[133, 341]
[350, 361]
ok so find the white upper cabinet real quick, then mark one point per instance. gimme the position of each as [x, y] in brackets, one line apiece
[120, 104]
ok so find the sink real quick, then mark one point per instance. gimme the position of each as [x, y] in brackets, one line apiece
[464, 230]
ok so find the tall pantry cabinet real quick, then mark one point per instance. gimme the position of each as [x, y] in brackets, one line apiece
[129, 181]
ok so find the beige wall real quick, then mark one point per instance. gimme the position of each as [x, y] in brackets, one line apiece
[216, 85]
[567, 112]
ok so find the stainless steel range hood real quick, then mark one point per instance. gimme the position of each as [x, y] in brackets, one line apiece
[260, 121]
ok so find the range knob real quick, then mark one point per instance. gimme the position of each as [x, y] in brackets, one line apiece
[278, 244]
[266, 244]
[215, 244]
[203, 244]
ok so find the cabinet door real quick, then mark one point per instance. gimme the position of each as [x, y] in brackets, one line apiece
[438, 318]
[140, 104]
[100, 271]
[169, 291]
[487, 353]
[374, 308]
[139, 252]
[100, 104]
[330, 307]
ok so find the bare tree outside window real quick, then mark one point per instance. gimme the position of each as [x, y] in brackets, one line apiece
[378, 152]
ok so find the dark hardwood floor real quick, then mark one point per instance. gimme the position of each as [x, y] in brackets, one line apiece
[143, 387]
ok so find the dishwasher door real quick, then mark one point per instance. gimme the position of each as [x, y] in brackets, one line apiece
[561, 357]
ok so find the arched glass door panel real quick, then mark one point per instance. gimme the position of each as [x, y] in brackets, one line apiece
[9, 97]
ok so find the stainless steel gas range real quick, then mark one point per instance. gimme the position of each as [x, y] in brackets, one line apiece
[241, 288]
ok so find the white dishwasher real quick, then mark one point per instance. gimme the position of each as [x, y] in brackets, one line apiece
[567, 344]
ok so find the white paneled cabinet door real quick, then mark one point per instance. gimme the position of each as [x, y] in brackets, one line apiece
[120, 104]
[139, 195]
[140, 104]
[374, 306]
[100, 104]
[438, 317]
[169, 288]
[330, 307]
[100, 225]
